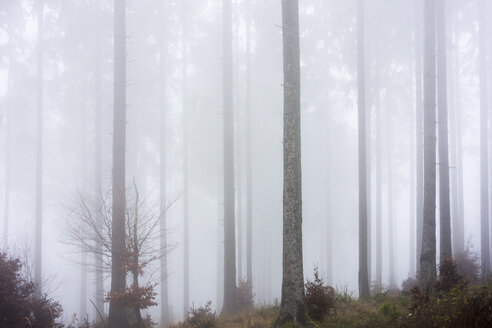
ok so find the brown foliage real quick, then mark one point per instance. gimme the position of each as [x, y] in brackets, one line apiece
[320, 299]
[134, 297]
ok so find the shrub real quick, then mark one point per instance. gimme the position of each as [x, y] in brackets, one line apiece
[20, 303]
[320, 299]
[203, 317]
[468, 265]
[408, 284]
[244, 295]
[344, 295]
[448, 276]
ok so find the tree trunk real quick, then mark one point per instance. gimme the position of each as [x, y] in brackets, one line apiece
[484, 166]
[39, 151]
[379, 189]
[186, 219]
[363, 274]
[444, 205]
[229, 208]
[6, 199]
[293, 306]
[249, 177]
[419, 134]
[162, 173]
[117, 315]
[99, 279]
[391, 214]
[428, 255]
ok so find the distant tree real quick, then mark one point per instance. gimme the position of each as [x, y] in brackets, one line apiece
[39, 144]
[484, 120]
[293, 305]
[229, 190]
[442, 94]
[428, 255]
[363, 215]
[117, 313]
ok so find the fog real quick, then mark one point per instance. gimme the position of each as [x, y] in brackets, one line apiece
[174, 92]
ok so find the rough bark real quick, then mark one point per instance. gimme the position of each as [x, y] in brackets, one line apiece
[229, 207]
[39, 145]
[442, 93]
[484, 166]
[428, 254]
[419, 134]
[293, 305]
[363, 216]
[117, 315]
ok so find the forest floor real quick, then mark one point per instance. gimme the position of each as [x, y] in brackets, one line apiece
[459, 306]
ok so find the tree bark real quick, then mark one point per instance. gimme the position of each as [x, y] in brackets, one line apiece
[428, 254]
[229, 208]
[391, 214]
[117, 315]
[363, 216]
[444, 201]
[484, 166]
[293, 305]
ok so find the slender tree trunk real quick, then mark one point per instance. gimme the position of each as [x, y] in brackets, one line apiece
[455, 125]
[99, 279]
[162, 173]
[428, 255]
[186, 219]
[363, 274]
[419, 133]
[484, 166]
[379, 189]
[249, 174]
[293, 305]
[412, 209]
[39, 149]
[444, 205]
[117, 315]
[6, 200]
[229, 220]
[391, 213]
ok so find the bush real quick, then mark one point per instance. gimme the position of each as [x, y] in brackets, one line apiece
[203, 317]
[319, 299]
[408, 284]
[449, 276]
[468, 265]
[244, 295]
[20, 303]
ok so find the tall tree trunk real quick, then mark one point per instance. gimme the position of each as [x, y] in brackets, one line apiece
[391, 212]
[186, 218]
[412, 209]
[249, 174]
[484, 166]
[162, 173]
[379, 189]
[229, 208]
[363, 274]
[293, 306]
[39, 149]
[117, 315]
[419, 133]
[6, 199]
[456, 150]
[428, 255]
[444, 205]
[99, 279]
